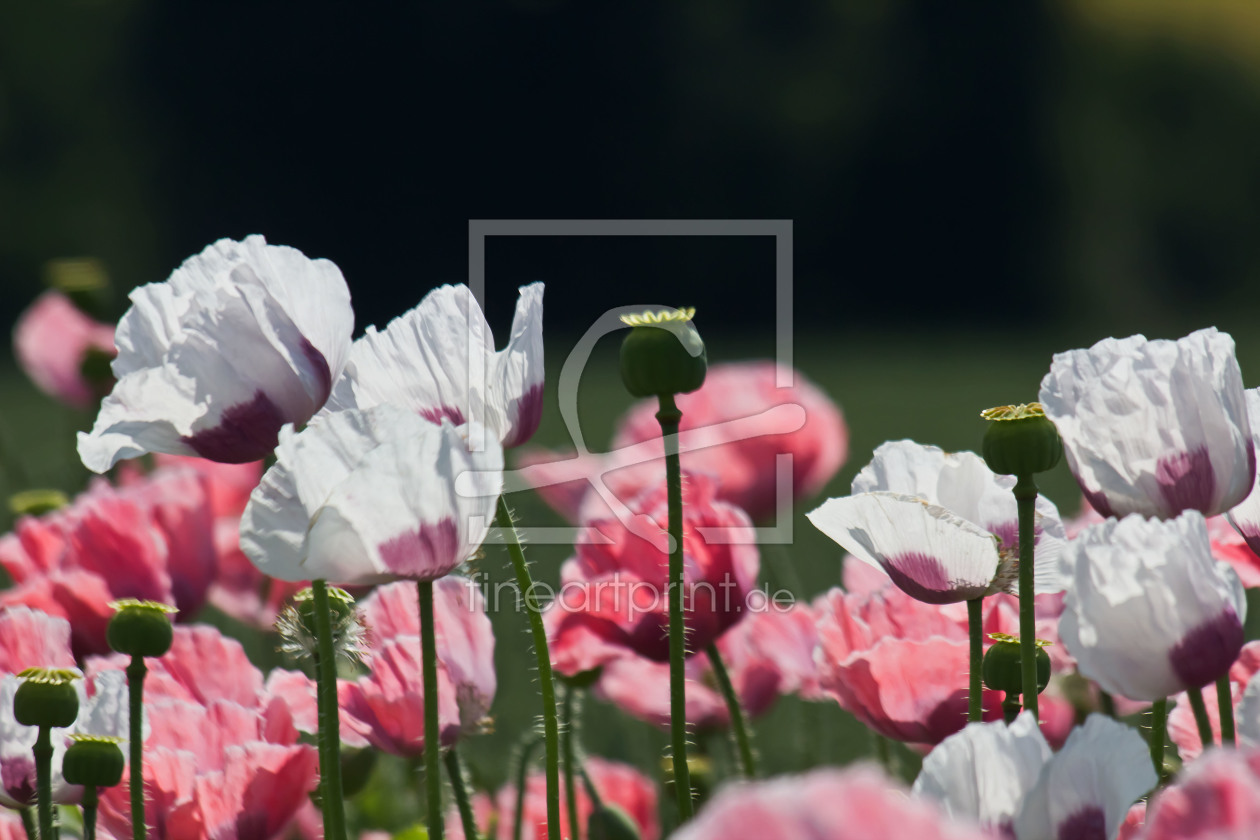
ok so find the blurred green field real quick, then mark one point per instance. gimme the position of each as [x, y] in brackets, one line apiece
[927, 388]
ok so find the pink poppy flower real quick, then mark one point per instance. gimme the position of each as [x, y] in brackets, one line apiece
[384, 708]
[1216, 798]
[733, 429]
[151, 540]
[858, 803]
[222, 758]
[364, 496]
[439, 361]
[241, 339]
[613, 592]
[618, 784]
[1154, 427]
[769, 654]
[1181, 725]
[51, 340]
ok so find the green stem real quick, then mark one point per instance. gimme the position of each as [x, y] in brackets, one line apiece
[456, 774]
[1010, 708]
[570, 764]
[1225, 705]
[883, 752]
[43, 780]
[432, 729]
[739, 726]
[1107, 703]
[28, 823]
[1026, 500]
[975, 628]
[89, 812]
[1201, 718]
[522, 775]
[1159, 725]
[329, 716]
[135, 746]
[669, 417]
[547, 686]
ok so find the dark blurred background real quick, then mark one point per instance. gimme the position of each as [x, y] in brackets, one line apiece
[1089, 166]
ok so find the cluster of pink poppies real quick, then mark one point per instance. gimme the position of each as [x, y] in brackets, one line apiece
[386, 460]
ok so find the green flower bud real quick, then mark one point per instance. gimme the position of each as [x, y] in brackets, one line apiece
[1002, 668]
[37, 502]
[140, 628]
[663, 354]
[1021, 440]
[94, 760]
[46, 697]
[608, 822]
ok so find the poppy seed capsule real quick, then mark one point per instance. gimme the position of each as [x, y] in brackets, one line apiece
[140, 628]
[46, 697]
[662, 354]
[94, 761]
[1020, 440]
[608, 822]
[1002, 665]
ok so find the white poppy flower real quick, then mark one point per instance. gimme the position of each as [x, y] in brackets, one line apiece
[1154, 427]
[963, 484]
[928, 552]
[1007, 778]
[1149, 612]
[241, 339]
[439, 361]
[1086, 790]
[1245, 516]
[361, 496]
[985, 771]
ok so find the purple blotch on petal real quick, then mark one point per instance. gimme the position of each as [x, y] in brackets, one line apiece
[1007, 532]
[1206, 653]
[1090, 823]
[1098, 501]
[1250, 533]
[246, 432]
[1187, 481]
[524, 414]
[924, 578]
[427, 553]
[443, 412]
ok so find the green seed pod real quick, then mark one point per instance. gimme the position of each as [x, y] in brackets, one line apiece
[662, 354]
[608, 822]
[1020, 440]
[46, 697]
[93, 760]
[140, 628]
[1002, 668]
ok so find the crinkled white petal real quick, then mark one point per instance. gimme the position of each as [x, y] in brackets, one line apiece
[985, 771]
[1104, 766]
[1138, 588]
[356, 482]
[1247, 714]
[438, 360]
[1136, 415]
[964, 485]
[924, 548]
[244, 336]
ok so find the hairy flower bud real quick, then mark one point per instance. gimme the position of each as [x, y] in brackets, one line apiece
[663, 354]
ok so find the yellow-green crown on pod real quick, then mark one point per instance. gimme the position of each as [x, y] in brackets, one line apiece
[1020, 440]
[662, 354]
[1002, 665]
[94, 760]
[46, 697]
[140, 628]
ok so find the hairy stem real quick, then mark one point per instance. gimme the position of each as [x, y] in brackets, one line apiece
[89, 812]
[332, 803]
[136, 671]
[1159, 726]
[456, 774]
[1201, 718]
[432, 729]
[43, 781]
[522, 775]
[975, 628]
[1026, 500]
[570, 763]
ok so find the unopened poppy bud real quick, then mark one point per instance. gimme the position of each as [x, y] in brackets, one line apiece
[608, 822]
[663, 354]
[1002, 669]
[46, 697]
[140, 628]
[93, 760]
[1020, 440]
